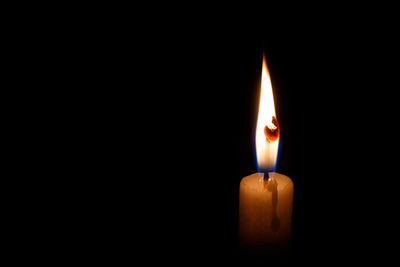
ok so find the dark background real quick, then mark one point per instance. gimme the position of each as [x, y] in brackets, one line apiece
[329, 94]
[328, 87]
[164, 124]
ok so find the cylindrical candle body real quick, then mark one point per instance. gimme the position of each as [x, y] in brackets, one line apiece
[265, 210]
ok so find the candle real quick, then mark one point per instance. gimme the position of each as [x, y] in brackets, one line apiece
[265, 210]
[265, 200]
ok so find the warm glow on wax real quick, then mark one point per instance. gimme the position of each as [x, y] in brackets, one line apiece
[267, 131]
[265, 197]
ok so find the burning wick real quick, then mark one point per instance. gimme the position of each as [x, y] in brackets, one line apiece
[266, 180]
[272, 131]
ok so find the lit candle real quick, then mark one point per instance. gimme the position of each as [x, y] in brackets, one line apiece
[265, 203]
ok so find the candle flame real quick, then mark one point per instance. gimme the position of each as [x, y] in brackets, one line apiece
[267, 131]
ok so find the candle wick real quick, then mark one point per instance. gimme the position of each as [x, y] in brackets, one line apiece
[266, 180]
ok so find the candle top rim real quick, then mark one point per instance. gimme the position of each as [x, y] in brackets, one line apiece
[255, 181]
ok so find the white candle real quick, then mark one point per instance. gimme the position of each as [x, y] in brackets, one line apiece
[265, 210]
[265, 204]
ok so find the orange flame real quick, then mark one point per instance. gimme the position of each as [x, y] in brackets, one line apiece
[267, 131]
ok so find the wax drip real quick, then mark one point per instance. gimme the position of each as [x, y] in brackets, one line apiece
[272, 186]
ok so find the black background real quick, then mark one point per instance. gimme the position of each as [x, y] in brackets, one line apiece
[329, 95]
[168, 133]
